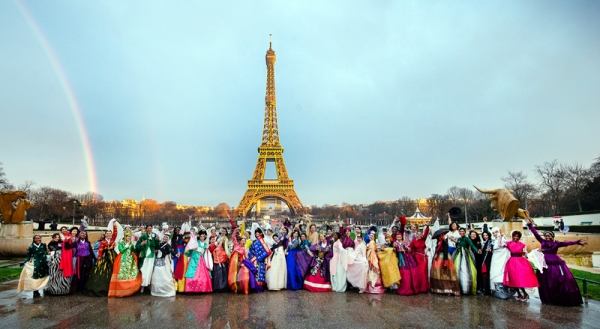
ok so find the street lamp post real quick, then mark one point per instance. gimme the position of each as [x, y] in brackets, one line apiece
[74, 204]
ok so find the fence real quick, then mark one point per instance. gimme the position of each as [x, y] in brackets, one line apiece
[585, 282]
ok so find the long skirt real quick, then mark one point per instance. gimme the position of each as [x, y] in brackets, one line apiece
[357, 273]
[99, 280]
[388, 264]
[519, 273]
[412, 279]
[499, 259]
[59, 284]
[146, 270]
[238, 275]
[179, 274]
[219, 277]
[126, 278]
[464, 261]
[421, 278]
[162, 284]
[339, 279]
[197, 275]
[376, 288]
[82, 274]
[277, 273]
[28, 283]
[558, 286]
[316, 282]
[294, 277]
[443, 278]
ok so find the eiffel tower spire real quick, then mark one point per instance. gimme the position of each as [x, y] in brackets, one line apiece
[270, 135]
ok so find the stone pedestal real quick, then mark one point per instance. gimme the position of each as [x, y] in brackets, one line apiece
[508, 226]
[15, 238]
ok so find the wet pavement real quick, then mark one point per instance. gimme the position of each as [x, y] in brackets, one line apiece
[287, 309]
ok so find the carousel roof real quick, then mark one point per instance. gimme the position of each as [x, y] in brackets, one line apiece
[418, 215]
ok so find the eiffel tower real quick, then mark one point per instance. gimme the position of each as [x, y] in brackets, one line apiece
[270, 150]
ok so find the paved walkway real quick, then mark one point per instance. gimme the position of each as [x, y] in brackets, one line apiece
[584, 268]
[287, 309]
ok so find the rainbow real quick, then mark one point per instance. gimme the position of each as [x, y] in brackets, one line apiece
[66, 86]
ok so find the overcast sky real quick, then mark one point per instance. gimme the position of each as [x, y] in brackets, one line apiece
[376, 99]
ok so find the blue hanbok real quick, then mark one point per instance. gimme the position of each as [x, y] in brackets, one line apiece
[258, 252]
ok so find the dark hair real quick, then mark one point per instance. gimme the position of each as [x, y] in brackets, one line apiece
[295, 231]
[74, 228]
[287, 231]
[201, 232]
[304, 235]
[86, 237]
[486, 233]
[56, 235]
[33, 239]
[337, 234]
[453, 223]
[275, 235]
[517, 233]
[462, 229]
[63, 227]
[150, 226]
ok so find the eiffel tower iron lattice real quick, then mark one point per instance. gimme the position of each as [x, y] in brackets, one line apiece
[270, 150]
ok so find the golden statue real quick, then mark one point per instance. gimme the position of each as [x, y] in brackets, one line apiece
[13, 206]
[504, 202]
[270, 150]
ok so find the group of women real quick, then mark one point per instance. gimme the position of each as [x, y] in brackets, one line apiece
[404, 261]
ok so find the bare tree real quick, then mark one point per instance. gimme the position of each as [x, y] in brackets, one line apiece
[576, 178]
[453, 194]
[594, 168]
[553, 180]
[4, 183]
[517, 181]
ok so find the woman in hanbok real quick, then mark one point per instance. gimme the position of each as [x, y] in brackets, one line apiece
[413, 279]
[220, 262]
[69, 250]
[419, 275]
[34, 276]
[99, 280]
[500, 257]
[464, 262]
[277, 268]
[358, 265]
[388, 264]
[374, 285]
[126, 278]
[180, 257]
[197, 276]
[338, 265]
[145, 248]
[59, 284]
[294, 275]
[258, 254]
[484, 265]
[557, 286]
[239, 278]
[163, 284]
[443, 274]
[84, 263]
[318, 278]
[177, 244]
[518, 272]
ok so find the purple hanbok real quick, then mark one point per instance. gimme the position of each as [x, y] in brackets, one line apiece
[557, 284]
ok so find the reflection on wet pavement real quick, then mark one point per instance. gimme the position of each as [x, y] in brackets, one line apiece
[286, 309]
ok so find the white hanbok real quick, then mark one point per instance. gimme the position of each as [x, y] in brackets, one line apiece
[276, 276]
[500, 256]
[358, 266]
[338, 267]
[162, 284]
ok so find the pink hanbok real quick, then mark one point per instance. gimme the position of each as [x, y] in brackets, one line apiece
[518, 272]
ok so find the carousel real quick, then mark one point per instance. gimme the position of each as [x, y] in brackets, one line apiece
[418, 218]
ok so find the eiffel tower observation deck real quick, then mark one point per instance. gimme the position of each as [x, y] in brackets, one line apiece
[270, 150]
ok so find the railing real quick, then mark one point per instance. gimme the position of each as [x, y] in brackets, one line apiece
[585, 282]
